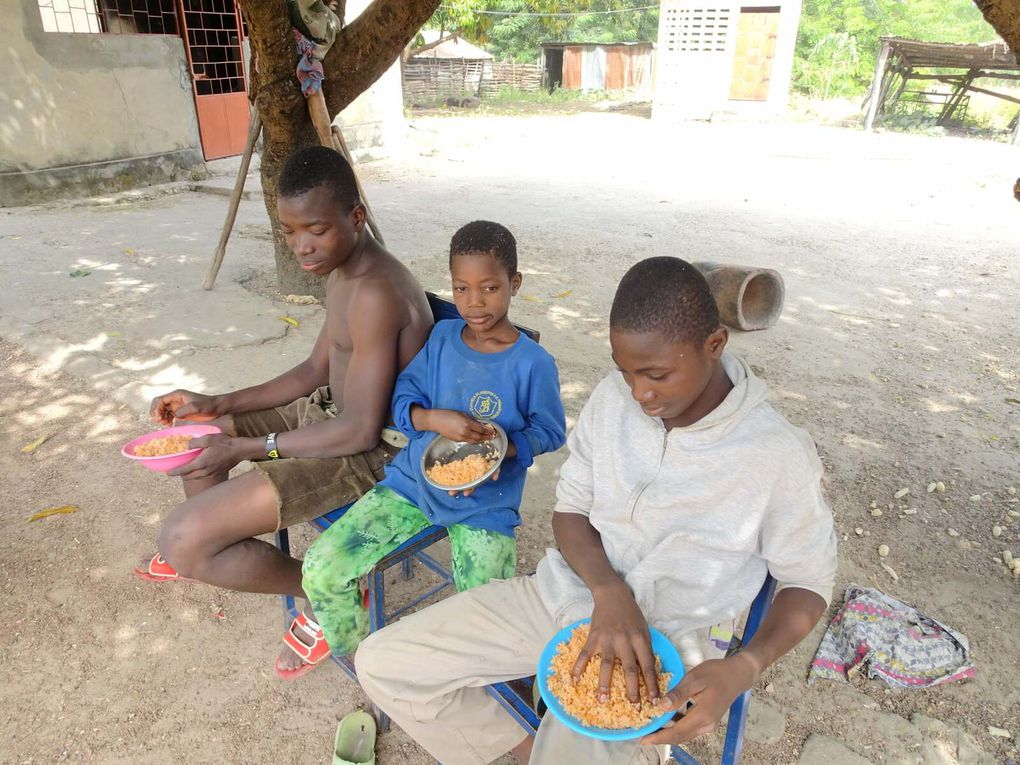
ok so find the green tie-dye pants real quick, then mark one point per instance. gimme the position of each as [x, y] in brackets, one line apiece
[375, 526]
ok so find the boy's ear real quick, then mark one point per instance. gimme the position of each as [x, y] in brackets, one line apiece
[359, 217]
[715, 343]
[515, 282]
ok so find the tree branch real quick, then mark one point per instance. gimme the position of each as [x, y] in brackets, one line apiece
[1004, 16]
[429, 46]
[369, 46]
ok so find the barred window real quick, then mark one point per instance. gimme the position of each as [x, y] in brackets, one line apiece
[147, 17]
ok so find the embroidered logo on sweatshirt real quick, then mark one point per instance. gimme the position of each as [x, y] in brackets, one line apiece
[486, 405]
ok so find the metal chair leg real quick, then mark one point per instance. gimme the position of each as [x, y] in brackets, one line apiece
[289, 602]
[377, 620]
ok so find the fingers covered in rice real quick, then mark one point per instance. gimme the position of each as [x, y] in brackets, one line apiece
[581, 699]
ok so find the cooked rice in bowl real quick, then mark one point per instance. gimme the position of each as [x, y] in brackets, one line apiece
[461, 472]
[581, 700]
[163, 447]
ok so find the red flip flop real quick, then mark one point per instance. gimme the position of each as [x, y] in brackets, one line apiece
[159, 570]
[311, 655]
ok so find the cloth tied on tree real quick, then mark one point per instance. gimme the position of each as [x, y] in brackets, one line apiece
[892, 641]
[315, 31]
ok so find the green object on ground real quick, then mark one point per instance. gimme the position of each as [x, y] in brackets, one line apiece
[355, 740]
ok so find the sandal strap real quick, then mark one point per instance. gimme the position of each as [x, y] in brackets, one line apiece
[310, 627]
[310, 654]
[158, 562]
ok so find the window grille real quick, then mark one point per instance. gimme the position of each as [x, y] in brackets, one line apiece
[696, 29]
[148, 17]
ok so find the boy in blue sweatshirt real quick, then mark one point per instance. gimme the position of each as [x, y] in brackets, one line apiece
[472, 371]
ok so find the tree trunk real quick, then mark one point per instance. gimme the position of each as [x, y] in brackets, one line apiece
[1004, 15]
[360, 55]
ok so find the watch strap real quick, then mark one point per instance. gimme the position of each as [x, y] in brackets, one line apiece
[272, 452]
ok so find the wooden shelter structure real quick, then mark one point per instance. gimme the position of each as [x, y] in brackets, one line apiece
[904, 64]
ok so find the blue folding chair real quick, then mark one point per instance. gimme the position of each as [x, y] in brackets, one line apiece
[516, 696]
[412, 550]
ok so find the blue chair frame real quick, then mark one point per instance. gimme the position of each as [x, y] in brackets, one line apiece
[516, 696]
[733, 744]
[519, 707]
[412, 550]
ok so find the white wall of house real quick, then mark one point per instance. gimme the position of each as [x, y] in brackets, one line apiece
[70, 101]
[695, 58]
[374, 123]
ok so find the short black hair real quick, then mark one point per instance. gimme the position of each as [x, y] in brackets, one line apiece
[485, 236]
[315, 166]
[665, 295]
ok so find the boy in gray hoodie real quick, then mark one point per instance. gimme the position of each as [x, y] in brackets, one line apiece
[683, 489]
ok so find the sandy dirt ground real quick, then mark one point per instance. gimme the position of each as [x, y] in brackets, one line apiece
[897, 350]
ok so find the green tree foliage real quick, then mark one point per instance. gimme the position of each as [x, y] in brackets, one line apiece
[519, 36]
[838, 40]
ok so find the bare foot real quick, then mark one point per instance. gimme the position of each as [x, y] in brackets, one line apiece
[288, 660]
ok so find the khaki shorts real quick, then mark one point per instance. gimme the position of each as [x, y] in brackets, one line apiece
[308, 488]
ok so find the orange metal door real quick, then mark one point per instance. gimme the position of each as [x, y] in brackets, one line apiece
[212, 35]
[755, 51]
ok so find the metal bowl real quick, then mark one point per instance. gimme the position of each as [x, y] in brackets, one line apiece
[442, 450]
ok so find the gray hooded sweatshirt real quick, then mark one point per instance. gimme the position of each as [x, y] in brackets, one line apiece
[693, 518]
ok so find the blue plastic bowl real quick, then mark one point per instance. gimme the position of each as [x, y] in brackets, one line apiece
[670, 661]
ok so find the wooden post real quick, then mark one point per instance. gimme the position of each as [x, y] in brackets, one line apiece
[235, 201]
[956, 98]
[875, 102]
[341, 146]
[905, 78]
[1016, 130]
[320, 118]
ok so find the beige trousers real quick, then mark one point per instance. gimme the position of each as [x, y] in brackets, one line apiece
[428, 672]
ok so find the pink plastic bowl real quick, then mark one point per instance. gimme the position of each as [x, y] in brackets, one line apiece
[170, 461]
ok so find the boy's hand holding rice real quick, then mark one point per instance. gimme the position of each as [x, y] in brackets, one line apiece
[456, 426]
[619, 631]
[185, 405]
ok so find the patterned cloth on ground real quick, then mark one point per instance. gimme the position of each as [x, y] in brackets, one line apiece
[892, 641]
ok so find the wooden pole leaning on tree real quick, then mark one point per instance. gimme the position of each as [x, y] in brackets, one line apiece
[331, 137]
[341, 146]
[235, 201]
[875, 101]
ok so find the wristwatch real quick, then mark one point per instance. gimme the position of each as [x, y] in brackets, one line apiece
[271, 451]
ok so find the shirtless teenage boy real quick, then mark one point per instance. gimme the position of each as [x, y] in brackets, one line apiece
[317, 432]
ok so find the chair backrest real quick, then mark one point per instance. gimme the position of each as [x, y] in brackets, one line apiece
[445, 309]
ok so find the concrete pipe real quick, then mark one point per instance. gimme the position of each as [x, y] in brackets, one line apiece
[748, 298]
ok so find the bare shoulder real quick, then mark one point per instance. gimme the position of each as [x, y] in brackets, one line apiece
[405, 288]
[377, 300]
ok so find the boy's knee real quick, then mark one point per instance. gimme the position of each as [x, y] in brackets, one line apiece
[325, 567]
[177, 543]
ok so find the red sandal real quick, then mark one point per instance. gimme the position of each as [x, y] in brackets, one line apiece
[158, 570]
[311, 655]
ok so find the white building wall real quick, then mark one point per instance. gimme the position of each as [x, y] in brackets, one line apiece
[694, 58]
[374, 125]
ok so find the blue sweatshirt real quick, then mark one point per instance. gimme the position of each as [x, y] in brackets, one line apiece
[519, 388]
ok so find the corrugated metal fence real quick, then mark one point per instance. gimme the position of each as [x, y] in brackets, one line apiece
[608, 67]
